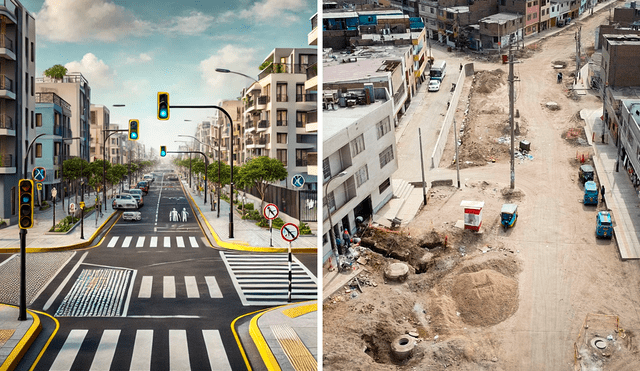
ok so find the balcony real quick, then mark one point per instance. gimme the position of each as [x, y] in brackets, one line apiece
[249, 128]
[263, 125]
[7, 89]
[7, 165]
[282, 68]
[262, 101]
[6, 126]
[256, 143]
[6, 48]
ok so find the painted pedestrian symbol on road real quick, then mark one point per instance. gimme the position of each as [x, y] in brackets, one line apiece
[39, 174]
[297, 181]
[289, 232]
[270, 211]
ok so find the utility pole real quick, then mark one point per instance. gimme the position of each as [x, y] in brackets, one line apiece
[577, 37]
[511, 104]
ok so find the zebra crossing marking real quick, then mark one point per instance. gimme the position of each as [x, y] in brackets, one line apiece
[193, 241]
[169, 287]
[178, 350]
[154, 241]
[113, 241]
[142, 346]
[215, 350]
[145, 287]
[214, 289]
[106, 350]
[140, 242]
[127, 241]
[167, 241]
[180, 241]
[69, 351]
[192, 287]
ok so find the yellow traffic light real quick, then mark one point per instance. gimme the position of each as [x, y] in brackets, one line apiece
[134, 126]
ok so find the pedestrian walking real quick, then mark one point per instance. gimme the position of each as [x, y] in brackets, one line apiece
[602, 191]
[460, 66]
[347, 238]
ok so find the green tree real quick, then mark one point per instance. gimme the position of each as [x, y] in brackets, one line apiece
[56, 72]
[260, 172]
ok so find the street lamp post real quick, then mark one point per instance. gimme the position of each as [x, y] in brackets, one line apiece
[332, 237]
[104, 164]
[189, 148]
[204, 144]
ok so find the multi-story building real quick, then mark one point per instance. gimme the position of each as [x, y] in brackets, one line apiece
[99, 121]
[116, 149]
[499, 30]
[630, 138]
[545, 15]
[359, 157]
[311, 89]
[73, 88]
[627, 15]
[276, 111]
[17, 102]
[429, 13]
[220, 133]
[52, 118]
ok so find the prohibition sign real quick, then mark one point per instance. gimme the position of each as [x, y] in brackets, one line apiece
[289, 232]
[270, 211]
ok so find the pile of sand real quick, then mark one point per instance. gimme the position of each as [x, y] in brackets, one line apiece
[486, 82]
[485, 298]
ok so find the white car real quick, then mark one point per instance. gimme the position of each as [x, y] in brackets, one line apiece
[131, 215]
[124, 201]
[434, 85]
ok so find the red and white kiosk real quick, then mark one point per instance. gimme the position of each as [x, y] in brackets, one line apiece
[472, 214]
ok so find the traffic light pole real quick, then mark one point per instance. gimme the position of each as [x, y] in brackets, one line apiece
[104, 164]
[230, 160]
[206, 169]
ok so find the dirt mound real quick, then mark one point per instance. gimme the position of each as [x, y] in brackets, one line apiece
[486, 82]
[485, 298]
[512, 194]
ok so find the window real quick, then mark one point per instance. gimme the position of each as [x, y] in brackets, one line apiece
[56, 149]
[299, 92]
[38, 150]
[281, 117]
[331, 202]
[26, 48]
[32, 86]
[282, 156]
[281, 92]
[386, 156]
[26, 120]
[383, 127]
[528, 17]
[33, 117]
[26, 83]
[282, 138]
[301, 119]
[383, 187]
[362, 175]
[13, 200]
[357, 145]
[301, 157]
[326, 169]
[32, 52]
[535, 15]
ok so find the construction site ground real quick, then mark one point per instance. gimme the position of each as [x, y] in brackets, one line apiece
[533, 297]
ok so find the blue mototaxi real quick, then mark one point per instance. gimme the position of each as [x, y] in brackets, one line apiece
[508, 215]
[604, 229]
[590, 193]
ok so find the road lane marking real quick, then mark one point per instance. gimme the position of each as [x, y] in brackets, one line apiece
[194, 242]
[106, 350]
[159, 198]
[126, 242]
[140, 242]
[214, 289]
[69, 351]
[154, 241]
[215, 350]
[53, 297]
[167, 241]
[113, 241]
[192, 287]
[141, 357]
[145, 287]
[180, 241]
[178, 350]
[169, 287]
[125, 310]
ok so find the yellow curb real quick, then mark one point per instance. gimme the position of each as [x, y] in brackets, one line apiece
[23, 345]
[53, 334]
[300, 310]
[235, 335]
[242, 245]
[60, 248]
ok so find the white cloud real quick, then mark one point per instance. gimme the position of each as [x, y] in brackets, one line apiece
[102, 20]
[239, 59]
[142, 58]
[276, 9]
[94, 70]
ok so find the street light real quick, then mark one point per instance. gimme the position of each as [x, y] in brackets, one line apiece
[204, 144]
[332, 237]
[189, 148]
[224, 70]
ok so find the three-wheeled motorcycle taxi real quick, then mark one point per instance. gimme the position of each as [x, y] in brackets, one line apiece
[508, 215]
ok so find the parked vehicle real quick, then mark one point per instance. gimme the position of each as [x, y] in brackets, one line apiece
[135, 191]
[604, 228]
[438, 70]
[590, 193]
[585, 173]
[124, 201]
[144, 186]
[171, 176]
[138, 198]
[131, 215]
[148, 177]
[434, 85]
[508, 215]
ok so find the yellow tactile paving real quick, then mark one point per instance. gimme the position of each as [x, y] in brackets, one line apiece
[300, 310]
[5, 335]
[297, 353]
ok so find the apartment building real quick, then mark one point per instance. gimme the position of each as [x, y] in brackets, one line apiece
[359, 157]
[428, 11]
[73, 88]
[98, 121]
[276, 110]
[116, 148]
[17, 102]
[628, 15]
[53, 117]
[499, 30]
[220, 132]
[311, 90]
[630, 138]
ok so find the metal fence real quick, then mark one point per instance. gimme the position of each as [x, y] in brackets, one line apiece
[298, 204]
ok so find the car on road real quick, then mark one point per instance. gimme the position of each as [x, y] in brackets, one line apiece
[131, 215]
[172, 176]
[434, 85]
[143, 186]
[148, 178]
[124, 201]
[135, 191]
[585, 173]
[604, 229]
[138, 198]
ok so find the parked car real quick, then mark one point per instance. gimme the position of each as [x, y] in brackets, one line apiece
[124, 201]
[585, 173]
[148, 178]
[604, 229]
[138, 198]
[590, 193]
[434, 85]
[131, 215]
[172, 176]
[135, 191]
[144, 186]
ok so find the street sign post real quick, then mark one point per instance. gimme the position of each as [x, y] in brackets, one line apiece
[297, 181]
[54, 193]
[270, 212]
[290, 232]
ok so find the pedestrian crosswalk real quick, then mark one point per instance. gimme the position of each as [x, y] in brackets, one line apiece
[191, 289]
[146, 344]
[263, 279]
[180, 242]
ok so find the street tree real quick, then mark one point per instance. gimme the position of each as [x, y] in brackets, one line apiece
[261, 172]
[71, 170]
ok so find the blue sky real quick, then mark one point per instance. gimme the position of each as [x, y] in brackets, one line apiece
[129, 50]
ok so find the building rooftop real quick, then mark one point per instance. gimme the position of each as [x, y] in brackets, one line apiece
[501, 18]
[361, 68]
[333, 121]
[634, 108]
[627, 39]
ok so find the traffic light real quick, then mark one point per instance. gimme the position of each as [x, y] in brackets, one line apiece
[163, 151]
[163, 106]
[134, 125]
[25, 219]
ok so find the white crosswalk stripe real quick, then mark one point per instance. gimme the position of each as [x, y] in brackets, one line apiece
[263, 279]
[143, 349]
[169, 291]
[169, 287]
[192, 287]
[152, 242]
[145, 287]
